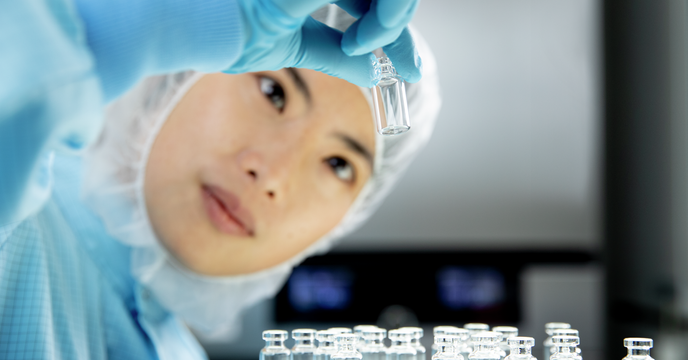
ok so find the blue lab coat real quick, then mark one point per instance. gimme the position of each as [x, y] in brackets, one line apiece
[65, 287]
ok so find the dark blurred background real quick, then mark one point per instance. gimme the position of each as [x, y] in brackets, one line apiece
[554, 187]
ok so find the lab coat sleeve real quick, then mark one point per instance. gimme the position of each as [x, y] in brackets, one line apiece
[61, 61]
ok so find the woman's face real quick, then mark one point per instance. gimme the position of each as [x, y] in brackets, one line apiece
[251, 169]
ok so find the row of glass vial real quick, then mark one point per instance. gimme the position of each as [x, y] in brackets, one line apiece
[368, 340]
[476, 341]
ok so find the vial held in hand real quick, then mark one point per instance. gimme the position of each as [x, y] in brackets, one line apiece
[389, 101]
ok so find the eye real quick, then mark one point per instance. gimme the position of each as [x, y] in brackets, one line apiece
[273, 91]
[341, 168]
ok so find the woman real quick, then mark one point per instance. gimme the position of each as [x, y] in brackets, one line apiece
[200, 195]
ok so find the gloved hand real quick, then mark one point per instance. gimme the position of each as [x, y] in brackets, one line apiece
[280, 33]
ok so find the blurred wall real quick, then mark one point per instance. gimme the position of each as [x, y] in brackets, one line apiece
[514, 159]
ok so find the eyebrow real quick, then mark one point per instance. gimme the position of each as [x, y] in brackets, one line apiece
[356, 146]
[300, 83]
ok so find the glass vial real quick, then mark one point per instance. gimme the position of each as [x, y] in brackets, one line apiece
[485, 346]
[439, 331]
[521, 348]
[638, 348]
[445, 348]
[474, 328]
[274, 345]
[507, 332]
[304, 346]
[346, 347]
[415, 342]
[569, 332]
[390, 106]
[566, 348]
[372, 346]
[462, 342]
[401, 348]
[549, 328]
[326, 346]
[358, 331]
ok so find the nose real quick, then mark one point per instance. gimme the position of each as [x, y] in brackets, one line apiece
[268, 171]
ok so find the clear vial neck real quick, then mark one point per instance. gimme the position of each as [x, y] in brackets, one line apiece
[638, 352]
[274, 343]
[445, 349]
[386, 66]
[372, 343]
[401, 343]
[304, 342]
[566, 349]
[522, 351]
[485, 347]
[326, 345]
[346, 348]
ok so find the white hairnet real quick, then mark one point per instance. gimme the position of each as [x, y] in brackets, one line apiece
[113, 188]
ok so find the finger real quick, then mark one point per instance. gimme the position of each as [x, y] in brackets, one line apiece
[320, 50]
[395, 13]
[405, 57]
[355, 8]
[368, 32]
[366, 35]
[296, 8]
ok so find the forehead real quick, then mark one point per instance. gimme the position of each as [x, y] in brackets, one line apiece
[341, 105]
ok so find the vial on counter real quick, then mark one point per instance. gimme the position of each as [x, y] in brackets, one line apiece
[358, 331]
[569, 332]
[566, 348]
[401, 348]
[445, 348]
[326, 346]
[549, 328]
[507, 332]
[521, 348]
[638, 348]
[485, 346]
[390, 107]
[415, 342]
[439, 331]
[373, 346]
[346, 347]
[274, 345]
[474, 328]
[462, 342]
[304, 347]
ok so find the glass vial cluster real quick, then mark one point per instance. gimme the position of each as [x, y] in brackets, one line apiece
[521, 348]
[274, 345]
[390, 107]
[638, 348]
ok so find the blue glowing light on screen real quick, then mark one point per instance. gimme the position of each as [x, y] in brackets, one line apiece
[320, 288]
[470, 288]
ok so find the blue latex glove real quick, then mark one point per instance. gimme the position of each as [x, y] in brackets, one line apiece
[280, 33]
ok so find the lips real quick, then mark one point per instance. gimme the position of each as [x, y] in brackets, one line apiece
[225, 212]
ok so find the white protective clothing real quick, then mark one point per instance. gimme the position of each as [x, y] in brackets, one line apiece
[113, 188]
